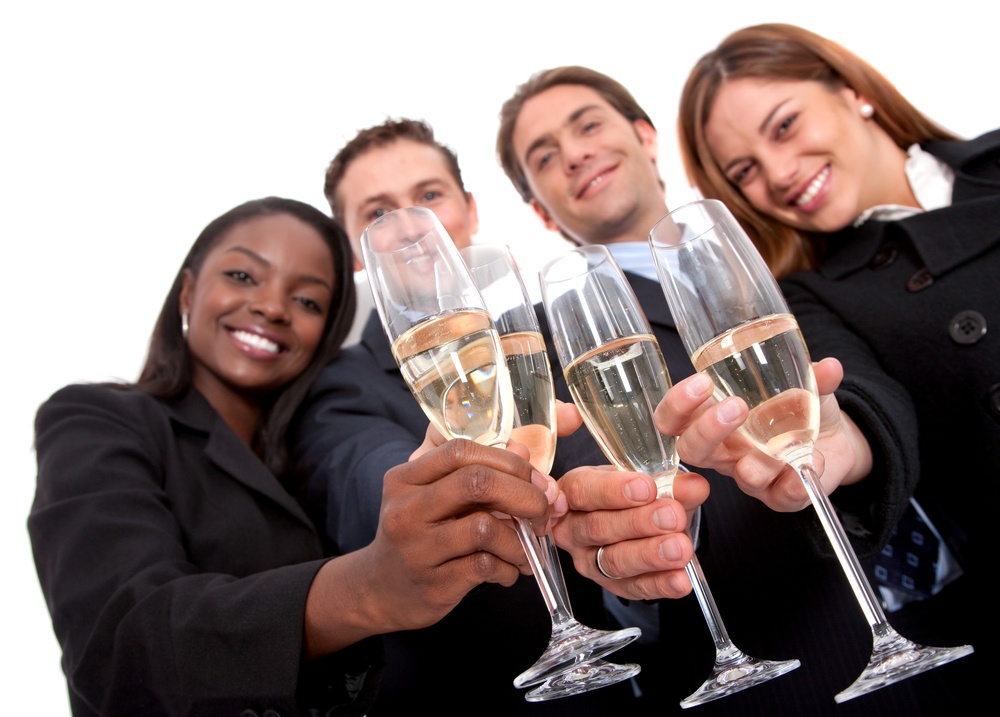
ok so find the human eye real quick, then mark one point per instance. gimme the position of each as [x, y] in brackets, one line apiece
[375, 213]
[543, 160]
[742, 173]
[311, 305]
[784, 126]
[430, 195]
[240, 276]
[590, 126]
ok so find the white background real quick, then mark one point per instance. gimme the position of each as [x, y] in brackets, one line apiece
[126, 127]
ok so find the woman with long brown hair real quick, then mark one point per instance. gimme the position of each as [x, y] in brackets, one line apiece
[882, 228]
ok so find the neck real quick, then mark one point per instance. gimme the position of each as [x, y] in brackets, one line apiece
[241, 413]
[634, 227]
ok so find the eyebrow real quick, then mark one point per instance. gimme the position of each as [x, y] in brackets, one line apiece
[545, 138]
[309, 279]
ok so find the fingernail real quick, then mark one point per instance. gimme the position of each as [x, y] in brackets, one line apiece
[698, 385]
[561, 506]
[730, 410]
[637, 490]
[665, 519]
[670, 550]
[546, 485]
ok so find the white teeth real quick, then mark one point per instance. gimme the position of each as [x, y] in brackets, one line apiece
[814, 187]
[597, 180]
[258, 342]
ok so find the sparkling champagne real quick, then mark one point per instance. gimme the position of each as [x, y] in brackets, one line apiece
[617, 387]
[451, 364]
[531, 378]
[765, 362]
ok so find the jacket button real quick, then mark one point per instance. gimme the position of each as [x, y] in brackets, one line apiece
[967, 327]
[993, 396]
[883, 258]
[919, 281]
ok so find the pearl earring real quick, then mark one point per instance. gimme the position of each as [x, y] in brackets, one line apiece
[867, 110]
[184, 325]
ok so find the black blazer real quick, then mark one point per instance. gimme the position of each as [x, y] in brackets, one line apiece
[918, 300]
[174, 564]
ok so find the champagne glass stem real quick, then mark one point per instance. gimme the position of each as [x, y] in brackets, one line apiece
[893, 657]
[555, 599]
[734, 670]
[723, 644]
[863, 591]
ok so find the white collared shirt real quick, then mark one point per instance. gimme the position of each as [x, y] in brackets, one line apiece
[931, 181]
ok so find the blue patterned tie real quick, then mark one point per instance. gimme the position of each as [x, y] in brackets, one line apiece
[909, 561]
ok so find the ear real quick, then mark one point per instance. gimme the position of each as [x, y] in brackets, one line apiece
[648, 137]
[853, 98]
[187, 288]
[543, 214]
[473, 214]
[358, 263]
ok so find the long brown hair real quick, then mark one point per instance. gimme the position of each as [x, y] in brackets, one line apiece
[784, 52]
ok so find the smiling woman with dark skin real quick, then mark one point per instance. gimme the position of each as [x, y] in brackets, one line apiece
[182, 575]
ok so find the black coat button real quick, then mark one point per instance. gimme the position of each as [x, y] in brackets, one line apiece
[993, 396]
[919, 281]
[883, 258]
[967, 327]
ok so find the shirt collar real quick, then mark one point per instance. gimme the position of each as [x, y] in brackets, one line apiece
[634, 257]
[931, 181]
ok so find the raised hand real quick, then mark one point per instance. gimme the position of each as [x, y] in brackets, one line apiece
[708, 436]
[438, 537]
[645, 545]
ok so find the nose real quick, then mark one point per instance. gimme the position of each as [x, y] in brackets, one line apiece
[576, 154]
[271, 304]
[780, 169]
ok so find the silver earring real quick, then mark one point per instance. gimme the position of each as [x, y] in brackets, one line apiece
[867, 110]
[184, 325]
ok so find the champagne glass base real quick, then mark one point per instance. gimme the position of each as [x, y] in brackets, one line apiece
[738, 674]
[895, 658]
[571, 645]
[582, 678]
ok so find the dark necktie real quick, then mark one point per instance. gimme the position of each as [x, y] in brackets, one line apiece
[909, 561]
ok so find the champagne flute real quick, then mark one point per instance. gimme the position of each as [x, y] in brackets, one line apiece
[736, 326]
[449, 353]
[617, 376]
[496, 275]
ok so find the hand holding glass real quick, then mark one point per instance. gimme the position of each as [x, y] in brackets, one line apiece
[617, 376]
[496, 275]
[737, 327]
[449, 353]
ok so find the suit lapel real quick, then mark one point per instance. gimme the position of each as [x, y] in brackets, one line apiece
[224, 449]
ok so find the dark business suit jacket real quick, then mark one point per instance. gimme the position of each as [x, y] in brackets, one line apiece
[174, 564]
[360, 420]
[918, 299]
[779, 596]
